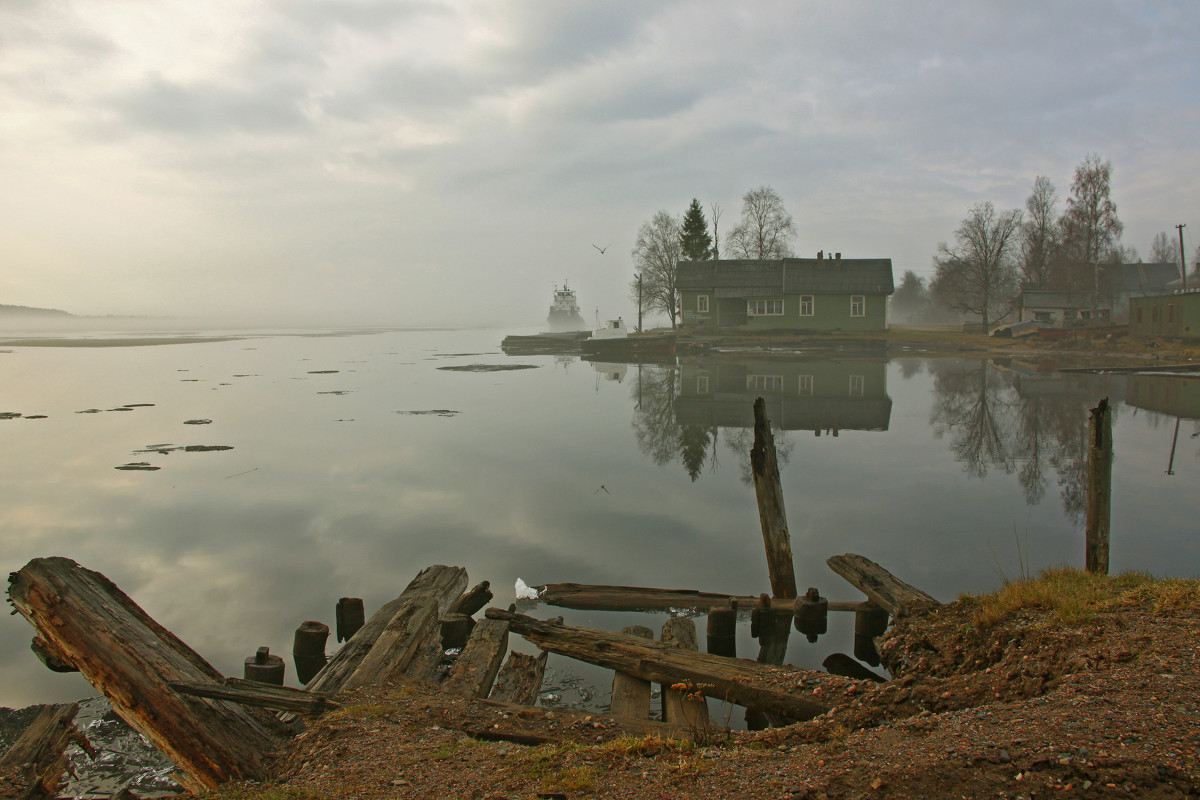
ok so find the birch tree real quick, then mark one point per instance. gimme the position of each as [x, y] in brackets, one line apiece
[655, 256]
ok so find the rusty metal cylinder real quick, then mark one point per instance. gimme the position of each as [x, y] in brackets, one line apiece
[264, 668]
[308, 649]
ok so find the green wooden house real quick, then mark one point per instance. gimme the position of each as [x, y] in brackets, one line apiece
[1175, 315]
[802, 294]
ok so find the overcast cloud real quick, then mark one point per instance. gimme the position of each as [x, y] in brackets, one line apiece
[435, 162]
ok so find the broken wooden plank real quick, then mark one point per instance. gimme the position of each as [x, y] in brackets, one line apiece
[630, 694]
[42, 750]
[884, 588]
[261, 695]
[398, 642]
[479, 661]
[442, 583]
[764, 467]
[593, 597]
[683, 703]
[520, 679]
[733, 679]
[471, 602]
[131, 659]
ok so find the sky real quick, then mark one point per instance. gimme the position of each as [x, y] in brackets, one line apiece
[449, 162]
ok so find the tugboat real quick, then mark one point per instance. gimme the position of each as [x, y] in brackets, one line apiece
[564, 311]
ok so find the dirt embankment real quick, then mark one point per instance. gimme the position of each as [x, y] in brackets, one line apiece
[1028, 707]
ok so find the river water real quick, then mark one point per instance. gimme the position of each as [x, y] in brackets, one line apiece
[346, 461]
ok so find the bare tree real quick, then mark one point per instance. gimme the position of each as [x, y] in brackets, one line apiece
[655, 256]
[766, 228]
[1164, 249]
[978, 274]
[715, 209]
[1038, 234]
[1090, 227]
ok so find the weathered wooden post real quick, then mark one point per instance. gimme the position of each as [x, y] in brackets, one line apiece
[771, 514]
[264, 668]
[631, 695]
[722, 630]
[350, 617]
[812, 614]
[308, 649]
[868, 623]
[685, 706]
[1099, 487]
[456, 629]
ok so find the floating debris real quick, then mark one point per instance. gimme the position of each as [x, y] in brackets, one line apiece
[89, 411]
[197, 422]
[489, 367]
[167, 449]
[138, 465]
[439, 412]
[37, 416]
[337, 392]
[205, 448]
[323, 372]
[9, 414]
[138, 405]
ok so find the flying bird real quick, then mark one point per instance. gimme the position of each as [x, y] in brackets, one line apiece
[602, 249]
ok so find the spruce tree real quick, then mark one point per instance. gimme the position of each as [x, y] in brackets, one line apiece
[693, 235]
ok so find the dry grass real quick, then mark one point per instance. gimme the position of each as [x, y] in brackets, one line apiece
[1074, 596]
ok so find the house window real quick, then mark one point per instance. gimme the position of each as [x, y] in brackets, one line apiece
[701, 384]
[806, 305]
[806, 384]
[856, 385]
[764, 383]
[702, 304]
[764, 308]
[858, 305]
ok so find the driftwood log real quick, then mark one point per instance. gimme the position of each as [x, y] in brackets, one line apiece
[477, 664]
[131, 659]
[39, 755]
[593, 597]
[520, 679]
[736, 680]
[885, 589]
[764, 467]
[262, 695]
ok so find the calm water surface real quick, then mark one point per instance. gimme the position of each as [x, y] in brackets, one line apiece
[952, 474]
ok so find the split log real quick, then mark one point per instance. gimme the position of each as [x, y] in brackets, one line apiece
[441, 583]
[471, 602]
[132, 659]
[397, 643]
[592, 597]
[520, 679]
[847, 667]
[261, 695]
[733, 679]
[686, 705]
[479, 661]
[41, 749]
[884, 588]
[631, 695]
[764, 467]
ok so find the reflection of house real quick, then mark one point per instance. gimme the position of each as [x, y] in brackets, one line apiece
[1175, 395]
[1176, 315]
[1119, 284]
[817, 294]
[800, 395]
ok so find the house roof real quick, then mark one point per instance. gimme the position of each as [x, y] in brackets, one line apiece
[751, 278]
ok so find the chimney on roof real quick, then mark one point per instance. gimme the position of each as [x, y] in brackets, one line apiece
[820, 254]
[837, 256]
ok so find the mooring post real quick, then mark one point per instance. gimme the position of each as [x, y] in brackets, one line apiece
[264, 667]
[351, 615]
[308, 649]
[769, 491]
[722, 630]
[1099, 488]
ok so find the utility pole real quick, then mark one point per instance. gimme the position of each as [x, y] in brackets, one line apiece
[1182, 257]
[639, 327]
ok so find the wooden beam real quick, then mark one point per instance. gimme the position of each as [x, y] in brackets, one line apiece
[885, 589]
[764, 468]
[734, 679]
[475, 670]
[593, 597]
[131, 659]
[474, 600]
[261, 695]
[398, 642]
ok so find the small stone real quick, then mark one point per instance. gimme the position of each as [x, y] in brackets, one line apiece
[1004, 757]
[399, 782]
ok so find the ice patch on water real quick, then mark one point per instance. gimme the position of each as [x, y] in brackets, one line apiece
[525, 592]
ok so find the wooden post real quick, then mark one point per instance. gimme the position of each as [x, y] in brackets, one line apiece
[867, 625]
[1099, 488]
[630, 695]
[767, 488]
[722, 630]
[308, 649]
[456, 629]
[812, 614]
[476, 667]
[350, 617]
[520, 679]
[686, 706]
[264, 667]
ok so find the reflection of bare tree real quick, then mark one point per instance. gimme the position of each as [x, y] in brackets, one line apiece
[995, 423]
[657, 428]
[740, 440]
[910, 366]
[968, 404]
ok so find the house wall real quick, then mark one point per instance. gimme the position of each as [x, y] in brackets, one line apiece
[1174, 315]
[831, 312]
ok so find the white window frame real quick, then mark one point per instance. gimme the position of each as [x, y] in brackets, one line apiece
[858, 301]
[806, 385]
[857, 384]
[764, 308]
[810, 301]
[764, 383]
[702, 304]
[701, 384]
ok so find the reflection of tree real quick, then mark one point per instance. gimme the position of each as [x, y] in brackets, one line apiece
[992, 423]
[741, 440]
[657, 428]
